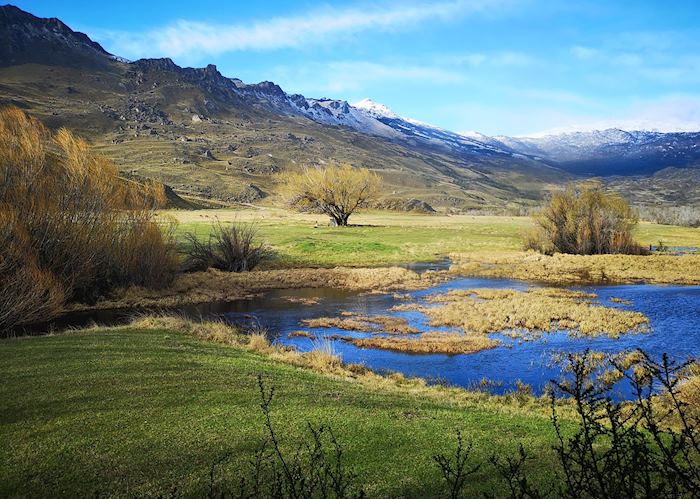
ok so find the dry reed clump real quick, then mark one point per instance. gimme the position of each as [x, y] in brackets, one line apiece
[621, 301]
[392, 325]
[407, 307]
[214, 331]
[75, 229]
[562, 268]
[301, 334]
[302, 300]
[363, 323]
[427, 343]
[214, 285]
[690, 392]
[339, 323]
[484, 311]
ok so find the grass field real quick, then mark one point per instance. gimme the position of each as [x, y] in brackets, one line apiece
[128, 412]
[382, 238]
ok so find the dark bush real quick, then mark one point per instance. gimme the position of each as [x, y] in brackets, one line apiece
[316, 468]
[230, 248]
[584, 220]
[27, 293]
[649, 447]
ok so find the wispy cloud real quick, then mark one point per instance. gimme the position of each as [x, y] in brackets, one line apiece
[553, 96]
[187, 38]
[505, 58]
[665, 57]
[342, 77]
[666, 113]
[583, 53]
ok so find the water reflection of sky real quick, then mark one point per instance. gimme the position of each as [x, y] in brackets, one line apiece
[674, 312]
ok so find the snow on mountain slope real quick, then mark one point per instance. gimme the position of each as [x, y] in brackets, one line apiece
[612, 151]
[375, 109]
[599, 152]
[417, 130]
[368, 117]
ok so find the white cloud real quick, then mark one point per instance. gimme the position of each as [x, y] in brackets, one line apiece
[187, 38]
[668, 113]
[513, 59]
[583, 53]
[666, 57]
[554, 96]
[353, 76]
[497, 59]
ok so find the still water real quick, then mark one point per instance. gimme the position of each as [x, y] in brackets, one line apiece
[674, 312]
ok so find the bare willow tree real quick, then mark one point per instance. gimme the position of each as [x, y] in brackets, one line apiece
[336, 190]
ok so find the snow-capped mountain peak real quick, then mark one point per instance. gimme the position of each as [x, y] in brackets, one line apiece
[375, 109]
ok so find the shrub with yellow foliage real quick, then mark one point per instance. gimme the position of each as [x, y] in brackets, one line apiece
[72, 229]
[585, 220]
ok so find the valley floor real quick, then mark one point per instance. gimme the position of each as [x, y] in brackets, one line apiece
[309, 254]
[384, 238]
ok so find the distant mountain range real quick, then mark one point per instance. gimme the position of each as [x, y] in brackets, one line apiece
[219, 138]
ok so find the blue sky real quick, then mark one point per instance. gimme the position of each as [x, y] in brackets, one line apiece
[513, 67]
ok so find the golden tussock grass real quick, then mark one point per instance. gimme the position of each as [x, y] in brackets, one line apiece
[427, 343]
[339, 323]
[303, 301]
[562, 268]
[213, 285]
[690, 392]
[321, 358]
[214, 331]
[621, 301]
[392, 325]
[326, 363]
[484, 311]
[301, 334]
[363, 323]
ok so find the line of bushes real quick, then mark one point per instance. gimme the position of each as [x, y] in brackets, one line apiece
[684, 216]
[72, 229]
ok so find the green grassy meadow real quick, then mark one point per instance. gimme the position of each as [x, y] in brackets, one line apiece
[128, 412]
[384, 238]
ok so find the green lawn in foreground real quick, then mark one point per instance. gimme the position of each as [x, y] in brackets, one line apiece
[133, 413]
[381, 238]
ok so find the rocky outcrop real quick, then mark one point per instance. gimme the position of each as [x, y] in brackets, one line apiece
[412, 205]
[249, 194]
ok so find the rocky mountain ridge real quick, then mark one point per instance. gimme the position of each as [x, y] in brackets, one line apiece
[219, 137]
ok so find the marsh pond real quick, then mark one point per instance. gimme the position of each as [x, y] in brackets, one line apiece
[373, 329]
